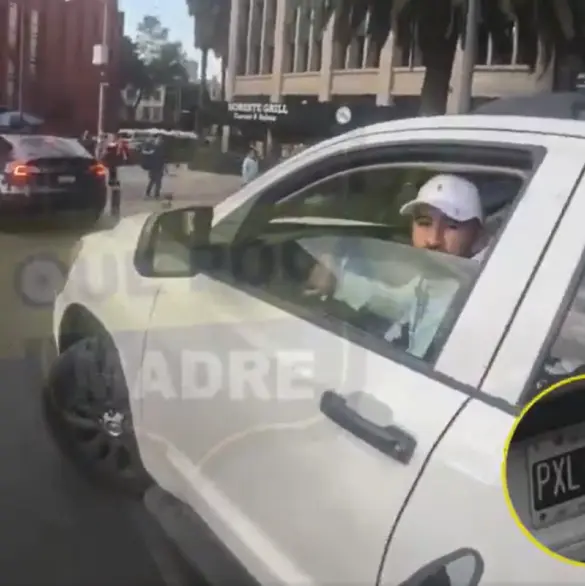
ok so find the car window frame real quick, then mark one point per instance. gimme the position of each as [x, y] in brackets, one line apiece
[529, 155]
[517, 363]
[557, 324]
[439, 168]
[323, 168]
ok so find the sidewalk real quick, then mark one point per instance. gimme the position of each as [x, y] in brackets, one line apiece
[186, 187]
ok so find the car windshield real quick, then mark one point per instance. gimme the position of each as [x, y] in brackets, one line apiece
[39, 147]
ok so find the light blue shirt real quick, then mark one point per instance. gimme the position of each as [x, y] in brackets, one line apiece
[420, 304]
[249, 169]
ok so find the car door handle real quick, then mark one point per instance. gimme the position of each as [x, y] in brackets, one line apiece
[388, 439]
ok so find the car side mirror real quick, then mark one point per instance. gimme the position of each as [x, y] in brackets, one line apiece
[463, 567]
[168, 240]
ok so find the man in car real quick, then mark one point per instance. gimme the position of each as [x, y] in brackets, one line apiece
[447, 217]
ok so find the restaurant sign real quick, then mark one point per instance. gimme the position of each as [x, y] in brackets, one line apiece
[259, 111]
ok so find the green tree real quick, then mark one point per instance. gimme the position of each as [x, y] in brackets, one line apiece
[557, 26]
[152, 60]
[150, 37]
[134, 74]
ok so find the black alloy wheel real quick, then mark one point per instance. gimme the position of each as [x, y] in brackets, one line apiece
[87, 411]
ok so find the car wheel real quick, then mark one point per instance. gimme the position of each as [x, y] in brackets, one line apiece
[87, 411]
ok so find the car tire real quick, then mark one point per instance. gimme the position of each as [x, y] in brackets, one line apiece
[87, 411]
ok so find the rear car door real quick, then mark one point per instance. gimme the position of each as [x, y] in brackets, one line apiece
[459, 500]
[298, 439]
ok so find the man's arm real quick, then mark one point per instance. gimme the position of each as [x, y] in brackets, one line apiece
[332, 276]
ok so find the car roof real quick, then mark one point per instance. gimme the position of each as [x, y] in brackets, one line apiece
[552, 126]
[14, 138]
[474, 122]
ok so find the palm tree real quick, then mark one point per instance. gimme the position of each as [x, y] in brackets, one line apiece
[211, 24]
[549, 29]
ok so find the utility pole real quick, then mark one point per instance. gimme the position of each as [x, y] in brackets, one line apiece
[21, 59]
[103, 64]
[469, 55]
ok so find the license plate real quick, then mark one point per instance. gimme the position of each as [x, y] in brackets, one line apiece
[66, 179]
[556, 468]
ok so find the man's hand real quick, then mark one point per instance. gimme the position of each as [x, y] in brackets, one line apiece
[321, 279]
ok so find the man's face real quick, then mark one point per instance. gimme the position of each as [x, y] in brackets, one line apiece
[433, 230]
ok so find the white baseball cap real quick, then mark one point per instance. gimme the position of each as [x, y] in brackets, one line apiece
[456, 197]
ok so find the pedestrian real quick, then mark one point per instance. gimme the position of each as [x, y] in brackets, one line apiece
[156, 168]
[88, 142]
[250, 167]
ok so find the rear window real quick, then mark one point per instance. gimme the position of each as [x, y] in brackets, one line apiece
[38, 147]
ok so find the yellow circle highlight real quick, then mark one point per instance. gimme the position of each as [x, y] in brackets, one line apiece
[511, 508]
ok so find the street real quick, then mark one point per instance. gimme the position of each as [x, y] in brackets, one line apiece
[57, 528]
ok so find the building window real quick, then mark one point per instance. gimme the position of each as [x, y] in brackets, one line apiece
[517, 46]
[156, 114]
[269, 58]
[409, 53]
[255, 60]
[13, 25]
[34, 41]
[243, 37]
[131, 94]
[317, 56]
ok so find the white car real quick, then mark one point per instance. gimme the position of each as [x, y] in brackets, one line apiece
[275, 433]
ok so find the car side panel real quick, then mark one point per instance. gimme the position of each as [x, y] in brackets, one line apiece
[296, 498]
[459, 502]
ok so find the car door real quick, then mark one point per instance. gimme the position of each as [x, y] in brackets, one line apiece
[459, 500]
[297, 442]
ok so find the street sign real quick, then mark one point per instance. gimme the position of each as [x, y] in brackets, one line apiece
[100, 55]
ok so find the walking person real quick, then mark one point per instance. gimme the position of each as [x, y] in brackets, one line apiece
[88, 143]
[156, 168]
[250, 166]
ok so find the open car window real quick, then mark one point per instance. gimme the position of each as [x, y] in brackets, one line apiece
[374, 195]
[379, 281]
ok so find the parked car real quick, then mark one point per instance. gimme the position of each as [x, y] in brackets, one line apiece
[277, 435]
[48, 176]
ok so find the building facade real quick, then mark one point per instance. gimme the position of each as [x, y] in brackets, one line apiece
[150, 108]
[279, 54]
[192, 69]
[46, 61]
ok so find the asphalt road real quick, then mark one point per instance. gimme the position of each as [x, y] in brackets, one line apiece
[54, 527]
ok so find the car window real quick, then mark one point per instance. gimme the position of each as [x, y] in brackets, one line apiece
[339, 252]
[374, 196]
[566, 356]
[33, 147]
